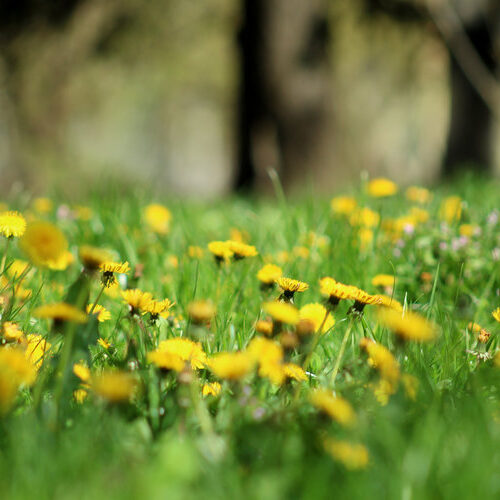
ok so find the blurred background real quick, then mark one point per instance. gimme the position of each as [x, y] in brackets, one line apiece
[202, 98]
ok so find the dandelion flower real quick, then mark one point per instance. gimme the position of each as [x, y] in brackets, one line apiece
[241, 250]
[382, 187]
[82, 371]
[269, 273]
[114, 386]
[290, 286]
[109, 269]
[410, 326]
[185, 349]
[335, 407]
[344, 205]
[136, 299]
[211, 389]
[43, 205]
[61, 312]
[295, 372]
[386, 301]
[37, 349]
[318, 315]
[384, 280]
[265, 327]
[92, 257]
[282, 312]
[166, 360]
[364, 217]
[157, 307]
[102, 313]
[496, 314]
[451, 209]
[12, 224]
[103, 343]
[336, 291]
[158, 218]
[362, 299]
[418, 194]
[382, 360]
[231, 365]
[11, 331]
[44, 244]
[201, 311]
[220, 250]
[352, 456]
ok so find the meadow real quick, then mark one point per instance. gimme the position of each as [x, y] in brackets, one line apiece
[299, 347]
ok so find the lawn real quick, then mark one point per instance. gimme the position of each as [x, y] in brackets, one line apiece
[156, 348]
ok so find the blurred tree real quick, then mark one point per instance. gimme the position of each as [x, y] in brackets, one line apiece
[471, 31]
[285, 120]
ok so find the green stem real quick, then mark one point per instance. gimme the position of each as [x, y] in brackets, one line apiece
[342, 350]
[97, 299]
[4, 258]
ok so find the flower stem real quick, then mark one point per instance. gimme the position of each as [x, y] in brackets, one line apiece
[342, 350]
[4, 258]
[97, 299]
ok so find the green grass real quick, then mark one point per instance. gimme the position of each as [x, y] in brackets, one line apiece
[258, 440]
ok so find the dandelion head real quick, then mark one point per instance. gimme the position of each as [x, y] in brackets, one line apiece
[410, 326]
[382, 187]
[12, 224]
[61, 312]
[158, 218]
[45, 244]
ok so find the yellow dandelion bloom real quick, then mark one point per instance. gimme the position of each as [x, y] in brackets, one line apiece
[158, 218]
[157, 307]
[81, 370]
[384, 280]
[15, 371]
[12, 224]
[418, 216]
[335, 407]
[237, 235]
[114, 386]
[336, 291]
[344, 205]
[290, 286]
[265, 327]
[103, 343]
[166, 360]
[386, 301]
[352, 455]
[451, 209]
[295, 372]
[269, 273]
[282, 312]
[383, 389]
[102, 313]
[231, 365]
[136, 299]
[316, 313]
[496, 314]
[410, 326]
[43, 205]
[241, 250]
[362, 298]
[37, 349]
[92, 257]
[80, 395]
[109, 269]
[211, 389]
[382, 360]
[364, 217]
[62, 262]
[17, 268]
[61, 311]
[381, 187]
[365, 236]
[44, 244]
[468, 230]
[418, 194]
[265, 351]
[186, 349]
[483, 335]
[220, 250]
[11, 331]
[201, 311]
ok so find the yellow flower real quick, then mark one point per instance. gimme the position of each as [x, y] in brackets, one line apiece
[382, 187]
[185, 349]
[237, 235]
[114, 386]
[384, 280]
[82, 212]
[157, 307]
[295, 372]
[418, 194]
[37, 349]
[316, 313]
[166, 360]
[336, 291]
[103, 343]
[269, 273]
[290, 286]
[17, 268]
[211, 389]
[265, 327]
[301, 252]
[364, 217]
[15, 371]
[418, 216]
[352, 456]
[362, 298]
[136, 299]
[201, 311]
[382, 360]
[343, 205]
[12, 224]
[282, 312]
[383, 390]
[61, 311]
[269, 356]
[468, 230]
[82, 371]
[42, 205]
[92, 257]
[158, 218]
[483, 335]
[231, 365]
[220, 250]
[335, 407]
[386, 301]
[496, 314]
[195, 252]
[11, 331]
[80, 395]
[102, 313]
[451, 209]
[45, 244]
[241, 250]
[365, 236]
[410, 326]
[109, 269]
